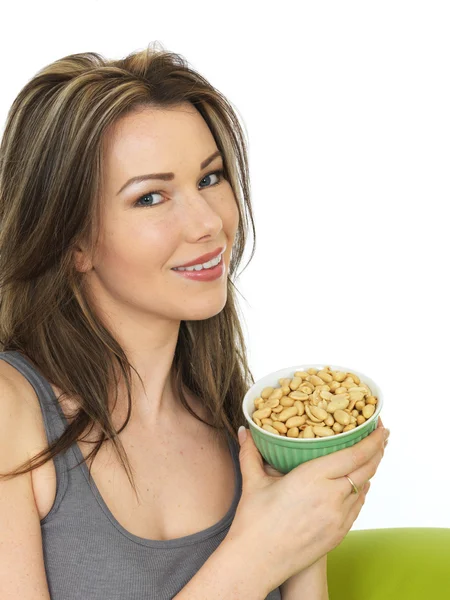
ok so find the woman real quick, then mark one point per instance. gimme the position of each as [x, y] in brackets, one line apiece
[114, 174]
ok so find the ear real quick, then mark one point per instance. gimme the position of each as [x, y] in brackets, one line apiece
[81, 260]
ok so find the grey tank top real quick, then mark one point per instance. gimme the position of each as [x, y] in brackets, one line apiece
[88, 555]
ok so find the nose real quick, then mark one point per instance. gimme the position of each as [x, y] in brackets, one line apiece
[199, 218]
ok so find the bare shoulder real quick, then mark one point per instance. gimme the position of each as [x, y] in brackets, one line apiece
[19, 406]
[22, 570]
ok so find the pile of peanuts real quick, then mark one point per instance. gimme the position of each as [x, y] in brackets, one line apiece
[314, 403]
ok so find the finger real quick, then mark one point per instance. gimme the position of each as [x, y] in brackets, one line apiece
[353, 506]
[360, 477]
[342, 462]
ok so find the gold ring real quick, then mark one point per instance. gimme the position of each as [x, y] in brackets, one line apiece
[355, 489]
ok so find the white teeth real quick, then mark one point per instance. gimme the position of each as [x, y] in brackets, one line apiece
[207, 265]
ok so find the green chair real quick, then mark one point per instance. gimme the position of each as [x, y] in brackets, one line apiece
[411, 563]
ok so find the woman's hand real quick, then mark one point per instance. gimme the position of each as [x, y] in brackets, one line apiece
[310, 583]
[272, 472]
[302, 514]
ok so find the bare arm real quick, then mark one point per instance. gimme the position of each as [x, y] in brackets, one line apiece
[309, 584]
[22, 570]
[230, 573]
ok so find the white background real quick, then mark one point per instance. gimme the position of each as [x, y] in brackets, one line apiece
[346, 110]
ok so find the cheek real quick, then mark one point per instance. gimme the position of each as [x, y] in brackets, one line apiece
[130, 247]
[231, 218]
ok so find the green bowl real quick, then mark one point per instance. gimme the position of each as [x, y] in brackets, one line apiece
[283, 453]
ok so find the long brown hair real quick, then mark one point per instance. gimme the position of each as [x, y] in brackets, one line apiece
[50, 176]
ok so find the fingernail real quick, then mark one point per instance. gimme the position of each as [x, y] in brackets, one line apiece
[386, 443]
[386, 433]
[242, 434]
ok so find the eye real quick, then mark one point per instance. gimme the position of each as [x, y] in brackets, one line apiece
[219, 174]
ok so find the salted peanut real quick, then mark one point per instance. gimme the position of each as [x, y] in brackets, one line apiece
[271, 403]
[295, 383]
[299, 395]
[325, 376]
[277, 393]
[295, 421]
[314, 423]
[263, 413]
[339, 376]
[323, 431]
[322, 388]
[368, 411]
[311, 371]
[329, 421]
[352, 403]
[308, 432]
[300, 407]
[319, 413]
[343, 395]
[271, 429]
[337, 404]
[324, 398]
[306, 388]
[293, 432]
[287, 413]
[341, 417]
[314, 398]
[341, 390]
[258, 401]
[316, 392]
[334, 386]
[358, 389]
[302, 374]
[316, 380]
[280, 427]
[311, 416]
[287, 401]
[356, 396]
[347, 385]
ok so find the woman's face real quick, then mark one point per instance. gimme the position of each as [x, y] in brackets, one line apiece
[149, 227]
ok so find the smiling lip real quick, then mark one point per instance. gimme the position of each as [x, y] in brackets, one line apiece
[202, 259]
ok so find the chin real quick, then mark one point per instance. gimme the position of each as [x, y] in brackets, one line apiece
[204, 312]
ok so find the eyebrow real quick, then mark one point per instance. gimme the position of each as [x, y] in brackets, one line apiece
[166, 176]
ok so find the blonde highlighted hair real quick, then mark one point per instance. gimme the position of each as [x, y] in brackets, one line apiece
[50, 182]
